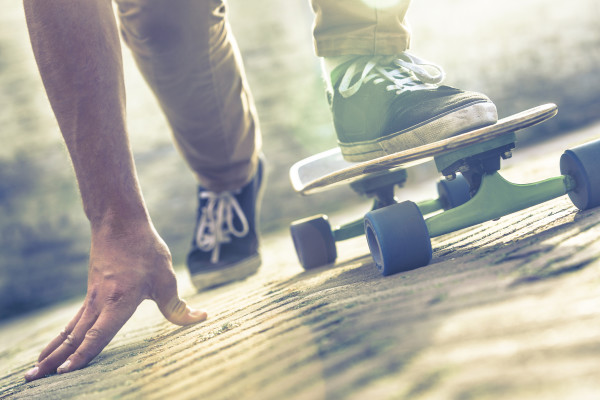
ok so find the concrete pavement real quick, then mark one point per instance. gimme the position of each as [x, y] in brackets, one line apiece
[509, 309]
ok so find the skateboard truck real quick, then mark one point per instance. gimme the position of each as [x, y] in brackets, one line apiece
[399, 237]
[379, 186]
[492, 196]
[314, 238]
[476, 161]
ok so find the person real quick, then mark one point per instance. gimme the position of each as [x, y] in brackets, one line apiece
[383, 99]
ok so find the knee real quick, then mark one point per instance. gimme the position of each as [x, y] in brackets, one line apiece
[143, 27]
[160, 25]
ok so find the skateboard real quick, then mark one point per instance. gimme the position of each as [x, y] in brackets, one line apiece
[471, 192]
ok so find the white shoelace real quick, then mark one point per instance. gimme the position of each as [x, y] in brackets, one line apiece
[412, 74]
[216, 223]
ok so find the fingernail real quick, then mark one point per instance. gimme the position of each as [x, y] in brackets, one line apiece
[31, 373]
[64, 367]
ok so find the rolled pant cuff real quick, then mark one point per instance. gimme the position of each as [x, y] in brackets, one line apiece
[237, 176]
[383, 45]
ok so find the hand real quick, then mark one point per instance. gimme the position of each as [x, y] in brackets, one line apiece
[125, 268]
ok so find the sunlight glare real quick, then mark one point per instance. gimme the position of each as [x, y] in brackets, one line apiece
[381, 3]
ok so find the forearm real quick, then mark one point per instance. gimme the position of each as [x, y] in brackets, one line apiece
[78, 53]
[77, 49]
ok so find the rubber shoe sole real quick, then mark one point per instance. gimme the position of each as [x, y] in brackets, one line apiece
[455, 122]
[223, 275]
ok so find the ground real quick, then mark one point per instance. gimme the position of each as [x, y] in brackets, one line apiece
[507, 309]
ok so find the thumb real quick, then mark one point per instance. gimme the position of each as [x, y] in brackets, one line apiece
[173, 307]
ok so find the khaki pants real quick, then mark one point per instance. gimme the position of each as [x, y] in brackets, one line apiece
[189, 57]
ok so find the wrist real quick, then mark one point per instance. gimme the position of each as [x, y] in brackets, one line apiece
[120, 220]
[127, 237]
[114, 205]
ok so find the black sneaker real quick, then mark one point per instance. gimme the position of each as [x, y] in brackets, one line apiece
[225, 246]
[383, 105]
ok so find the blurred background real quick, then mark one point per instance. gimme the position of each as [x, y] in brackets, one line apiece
[521, 54]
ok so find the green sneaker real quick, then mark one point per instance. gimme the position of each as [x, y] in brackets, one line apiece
[383, 105]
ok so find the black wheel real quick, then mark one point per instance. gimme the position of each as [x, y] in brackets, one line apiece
[583, 164]
[453, 193]
[314, 242]
[398, 238]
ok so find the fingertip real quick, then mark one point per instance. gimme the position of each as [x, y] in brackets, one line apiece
[197, 315]
[178, 312]
[64, 367]
[32, 374]
[191, 316]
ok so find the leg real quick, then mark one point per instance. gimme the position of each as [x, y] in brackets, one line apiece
[191, 61]
[385, 100]
[344, 27]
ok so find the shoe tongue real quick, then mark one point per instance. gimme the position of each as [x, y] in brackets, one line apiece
[339, 70]
[387, 62]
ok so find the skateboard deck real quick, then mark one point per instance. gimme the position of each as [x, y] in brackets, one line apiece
[324, 170]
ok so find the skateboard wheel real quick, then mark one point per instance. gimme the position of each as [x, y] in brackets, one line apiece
[453, 193]
[398, 238]
[314, 241]
[583, 164]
